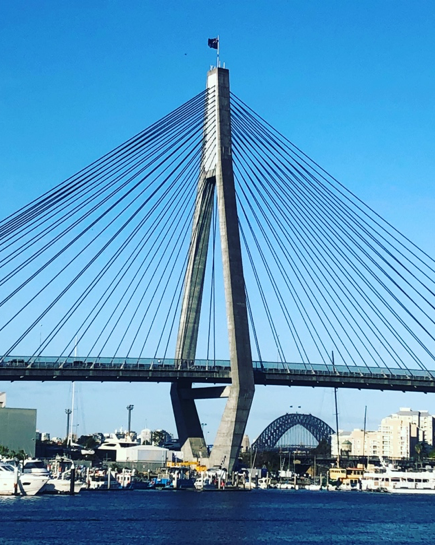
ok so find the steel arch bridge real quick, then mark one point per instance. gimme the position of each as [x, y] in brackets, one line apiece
[269, 437]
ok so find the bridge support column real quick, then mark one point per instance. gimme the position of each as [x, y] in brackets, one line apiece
[189, 428]
[217, 162]
[235, 417]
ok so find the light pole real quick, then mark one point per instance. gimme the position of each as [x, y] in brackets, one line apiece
[129, 409]
[203, 425]
[68, 414]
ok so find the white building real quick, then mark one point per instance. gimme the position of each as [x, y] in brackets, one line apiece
[401, 432]
[396, 438]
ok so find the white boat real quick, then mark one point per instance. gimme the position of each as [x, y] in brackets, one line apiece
[214, 478]
[8, 479]
[398, 481]
[12, 482]
[60, 483]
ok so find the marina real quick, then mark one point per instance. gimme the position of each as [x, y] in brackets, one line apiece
[62, 476]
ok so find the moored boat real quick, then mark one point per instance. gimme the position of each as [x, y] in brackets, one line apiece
[398, 481]
[13, 482]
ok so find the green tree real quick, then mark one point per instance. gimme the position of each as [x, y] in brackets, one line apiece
[419, 449]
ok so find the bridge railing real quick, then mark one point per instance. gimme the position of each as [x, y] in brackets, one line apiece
[203, 365]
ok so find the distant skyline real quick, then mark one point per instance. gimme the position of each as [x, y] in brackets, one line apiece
[352, 84]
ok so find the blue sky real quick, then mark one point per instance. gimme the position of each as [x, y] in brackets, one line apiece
[351, 83]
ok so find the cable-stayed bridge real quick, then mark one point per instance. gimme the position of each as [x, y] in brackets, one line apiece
[118, 274]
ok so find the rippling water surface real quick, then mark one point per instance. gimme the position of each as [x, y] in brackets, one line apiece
[190, 517]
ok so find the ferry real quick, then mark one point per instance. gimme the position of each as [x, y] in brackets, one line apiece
[348, 478]
[398, 481]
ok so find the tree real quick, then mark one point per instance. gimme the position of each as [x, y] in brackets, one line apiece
[419, 448]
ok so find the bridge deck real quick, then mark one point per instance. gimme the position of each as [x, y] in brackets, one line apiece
[21, 368]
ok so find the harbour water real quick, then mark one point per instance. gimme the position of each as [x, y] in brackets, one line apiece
[188, 517]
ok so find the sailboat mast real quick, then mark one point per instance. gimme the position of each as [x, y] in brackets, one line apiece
[336, 416]
[70, 436]
[364, 434]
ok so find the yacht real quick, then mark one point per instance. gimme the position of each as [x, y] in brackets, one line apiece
[56, 482]
[12, 482]
[115, 442]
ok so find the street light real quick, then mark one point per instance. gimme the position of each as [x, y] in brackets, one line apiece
[129, 409]
[68, 414]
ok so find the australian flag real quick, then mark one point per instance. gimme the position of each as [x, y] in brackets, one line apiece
[213, 43]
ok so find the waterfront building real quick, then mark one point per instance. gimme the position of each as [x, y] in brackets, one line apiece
[424, 422]
[396, 438]
[401, 432]
[17, 428]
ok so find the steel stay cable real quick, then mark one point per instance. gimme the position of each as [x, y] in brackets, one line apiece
[88, 213]
[343, 270]
[253, 328]
[105, 269]
[346, 212]
[194, 235]
[148, 153]
[181, 202]
[152, 322]
[291, 288]
[262, 294]
[307, 267]
[420, 363]
[92, 224]
[108, 156]
[290, 259]
[198, 192]
[293, 146]
[337, 263]
[309, 254]
[305, 316]
[268, 171]
[78, 275]
[371, 272]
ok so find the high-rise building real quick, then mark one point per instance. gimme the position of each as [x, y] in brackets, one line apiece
[397, 436]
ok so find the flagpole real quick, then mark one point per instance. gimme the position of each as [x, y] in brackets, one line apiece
[217, 60]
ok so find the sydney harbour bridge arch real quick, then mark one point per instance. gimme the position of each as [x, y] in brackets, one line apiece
[270, 436]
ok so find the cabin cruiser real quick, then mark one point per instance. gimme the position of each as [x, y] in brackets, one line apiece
[13, 482]
[115, 442]
[58, 480]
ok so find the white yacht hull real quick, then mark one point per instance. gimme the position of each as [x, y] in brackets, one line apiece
[61, 486]
[30, 485]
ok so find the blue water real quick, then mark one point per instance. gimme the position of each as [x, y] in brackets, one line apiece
[187, 517]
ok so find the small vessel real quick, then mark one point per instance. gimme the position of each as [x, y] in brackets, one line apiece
[62, 484]
[58, 481]
[214, 478]
[13, 482]
[348, 478]
[102, 479]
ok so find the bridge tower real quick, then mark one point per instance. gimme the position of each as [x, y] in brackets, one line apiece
[216, 174]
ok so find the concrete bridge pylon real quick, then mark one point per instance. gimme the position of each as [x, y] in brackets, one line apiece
[216, 175]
